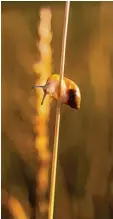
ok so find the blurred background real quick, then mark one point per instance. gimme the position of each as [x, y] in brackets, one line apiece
[84, 185]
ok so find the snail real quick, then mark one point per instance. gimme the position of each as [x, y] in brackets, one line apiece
[70, 92]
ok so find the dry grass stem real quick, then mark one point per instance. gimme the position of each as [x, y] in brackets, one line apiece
[57, 124]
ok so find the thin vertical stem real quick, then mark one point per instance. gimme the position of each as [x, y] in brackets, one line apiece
[57, 124]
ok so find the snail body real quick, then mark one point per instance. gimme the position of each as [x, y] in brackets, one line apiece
[70, 92]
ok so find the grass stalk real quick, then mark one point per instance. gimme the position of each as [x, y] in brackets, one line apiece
[57, 124]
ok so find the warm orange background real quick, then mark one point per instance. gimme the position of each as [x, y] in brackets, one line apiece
[84, 188]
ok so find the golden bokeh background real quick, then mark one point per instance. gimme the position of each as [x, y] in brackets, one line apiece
[84, 186]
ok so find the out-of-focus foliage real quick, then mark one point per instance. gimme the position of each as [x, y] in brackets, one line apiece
[43, 69]
[84, 188]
